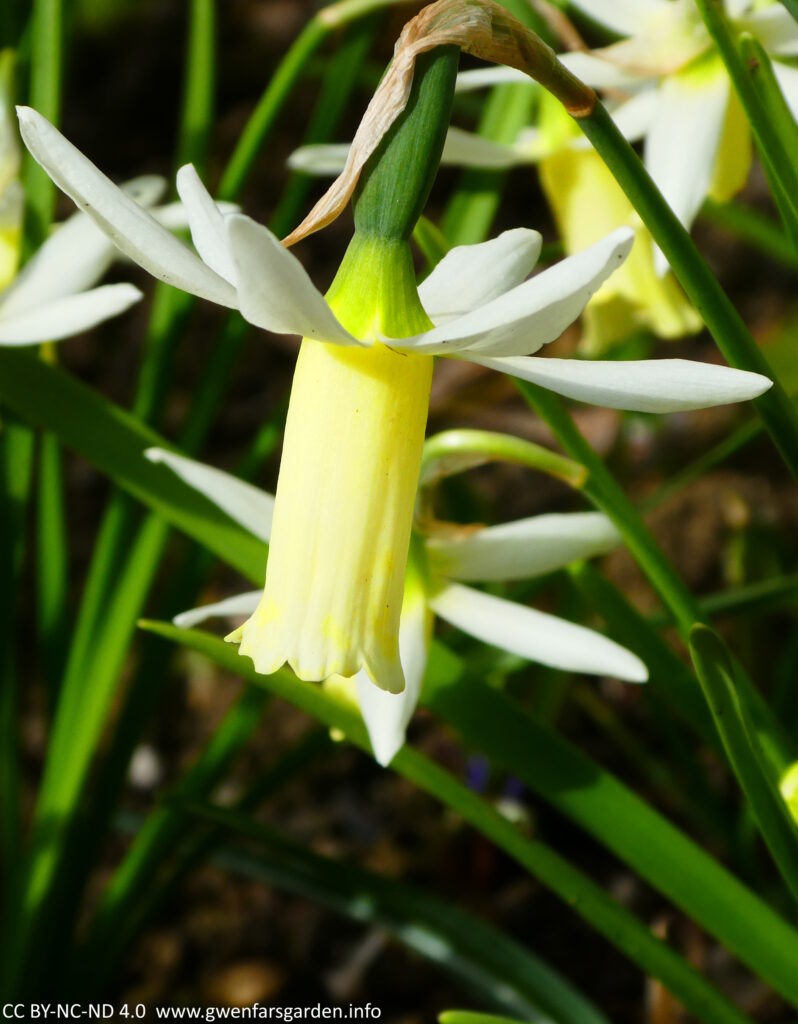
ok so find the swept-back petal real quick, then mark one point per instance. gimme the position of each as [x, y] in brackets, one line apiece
[248, 506]
[73, 258]
[535, 635]
[524, 548]
[469, 276]
[274, 289]
[238, 604]
[67, 316]
[174, 216]
[682, 143]
[635, 116]
[461, 149]
[774, 27]
[206, 223]
[387, 715]
[626, 17]
[594, 70]
[129, 226]
[484, 78]
[531, 314]
[467, 149]
[639, 385]
[320, 158]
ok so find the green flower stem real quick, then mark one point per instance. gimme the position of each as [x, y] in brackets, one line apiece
[454, 450]
[471, 210]
[724, 322]
[718, 675]
[760, 70]
[604, 491]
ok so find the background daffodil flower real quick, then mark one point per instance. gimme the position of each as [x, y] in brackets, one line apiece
[587, 204]
[438, 567]
[697, 142]
[352, 450]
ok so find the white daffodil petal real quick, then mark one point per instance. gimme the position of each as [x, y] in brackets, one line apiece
[787, 78]
[67, 316]
[598, 73]
[774, 27]
[531, 314]
[682, 143]
[469, 276]
[73, 258]
[174, 216]
[635, 116]
[639, 385]
[524, 548]
[535, 635]
[466, 149]
[484, 78]
[626, 17]
[274, 289]
[461, 149]
[246, 505]
[322, 159]
[129, 226]
[206, 223]
[387, 715]
[239, 604]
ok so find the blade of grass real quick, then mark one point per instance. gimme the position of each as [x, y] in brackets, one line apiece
[716, 670]
[752, 227]
[16, 463]
[492, 966]
[114, 441]
[644, 840]
[52, 621]
[582, 895]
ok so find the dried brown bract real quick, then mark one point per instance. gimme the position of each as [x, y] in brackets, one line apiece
[481, 28]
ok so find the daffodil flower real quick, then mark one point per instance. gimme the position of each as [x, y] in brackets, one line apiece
[696, 138]
[355, 429]
[587, 204]
[440, 564]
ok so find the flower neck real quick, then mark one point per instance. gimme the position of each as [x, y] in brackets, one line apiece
[374, 293]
